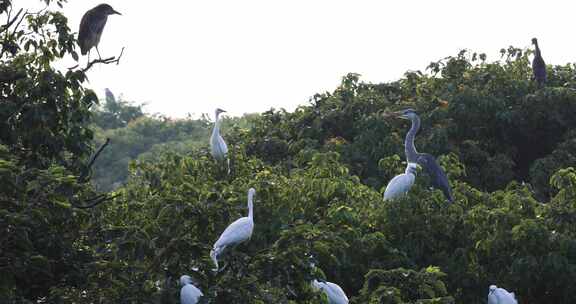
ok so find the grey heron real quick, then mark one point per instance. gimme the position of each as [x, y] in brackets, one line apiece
[401, 184]
[425, 160]
[500, 296]
[189, 294]
[538, 65]
[218, 147]
[91, 27]
[237, 232]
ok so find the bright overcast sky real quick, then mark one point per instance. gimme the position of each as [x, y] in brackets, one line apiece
[248, 56]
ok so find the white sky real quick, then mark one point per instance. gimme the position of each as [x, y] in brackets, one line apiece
[248, 56]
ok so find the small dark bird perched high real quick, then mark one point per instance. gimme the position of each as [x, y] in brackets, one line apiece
[538, 65]
[91, 27]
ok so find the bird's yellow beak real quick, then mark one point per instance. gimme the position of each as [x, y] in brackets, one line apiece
[399, 114]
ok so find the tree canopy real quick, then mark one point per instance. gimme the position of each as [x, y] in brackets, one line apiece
[319, 172]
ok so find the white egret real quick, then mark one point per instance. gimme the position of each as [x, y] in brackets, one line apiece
[401, 184]
[500, 296]
[189, 294]
[237, 232]
[334, 292]
[218, 147]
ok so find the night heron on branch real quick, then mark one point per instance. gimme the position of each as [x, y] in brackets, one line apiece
[237, 232]
[91, 27]
[425, 160]
[189, 294]
[538, 65]
[500, 296]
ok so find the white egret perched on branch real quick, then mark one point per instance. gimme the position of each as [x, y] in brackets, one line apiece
[500, 296]
[425, 160]
[218, 147]
[334, 292]
[189, 294]
[237, 232]
[401, 184]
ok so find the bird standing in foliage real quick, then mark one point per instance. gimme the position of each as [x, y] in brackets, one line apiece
[218, 147]
[91, 27]
[189, 294]
[538, 65]
[500, 296]
[425, 160]
[401, 184]
[237, 232]
[334, 292]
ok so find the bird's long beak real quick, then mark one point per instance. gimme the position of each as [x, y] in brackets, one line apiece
[399, 114]
[115, 12]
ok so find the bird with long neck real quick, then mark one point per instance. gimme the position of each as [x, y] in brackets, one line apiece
[425, 160]
[538, 64]
[237, 232]
[333, 291]
[218, 147]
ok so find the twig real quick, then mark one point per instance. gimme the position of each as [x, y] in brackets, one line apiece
[104, 61]
[10, 22]
[82, 178]
[99, 199]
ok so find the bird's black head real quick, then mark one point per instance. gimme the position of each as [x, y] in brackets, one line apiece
[218, 111]
[534, 41]
[106, 9]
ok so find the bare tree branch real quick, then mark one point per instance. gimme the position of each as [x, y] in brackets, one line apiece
[82, 178]
[10, 22]
[104, 61]
[95, 201]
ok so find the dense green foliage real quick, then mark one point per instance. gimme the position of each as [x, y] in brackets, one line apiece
[507, 147]
[136, 136]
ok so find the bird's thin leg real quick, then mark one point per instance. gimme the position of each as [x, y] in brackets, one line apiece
[88, 57]
[99, 57]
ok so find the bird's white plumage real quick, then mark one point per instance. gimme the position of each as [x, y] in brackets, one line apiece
[500, 296]
[237, 232]
[189, 294]
[334, 292]
[218, 147]
[401, 184]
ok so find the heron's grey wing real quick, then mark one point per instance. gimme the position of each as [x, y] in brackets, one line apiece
[539, 68]
[436, 173]
[84, 33]
[97, 27]
[91, 27]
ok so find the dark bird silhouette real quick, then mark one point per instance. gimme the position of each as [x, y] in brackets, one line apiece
[538, 65]
[91, 27]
